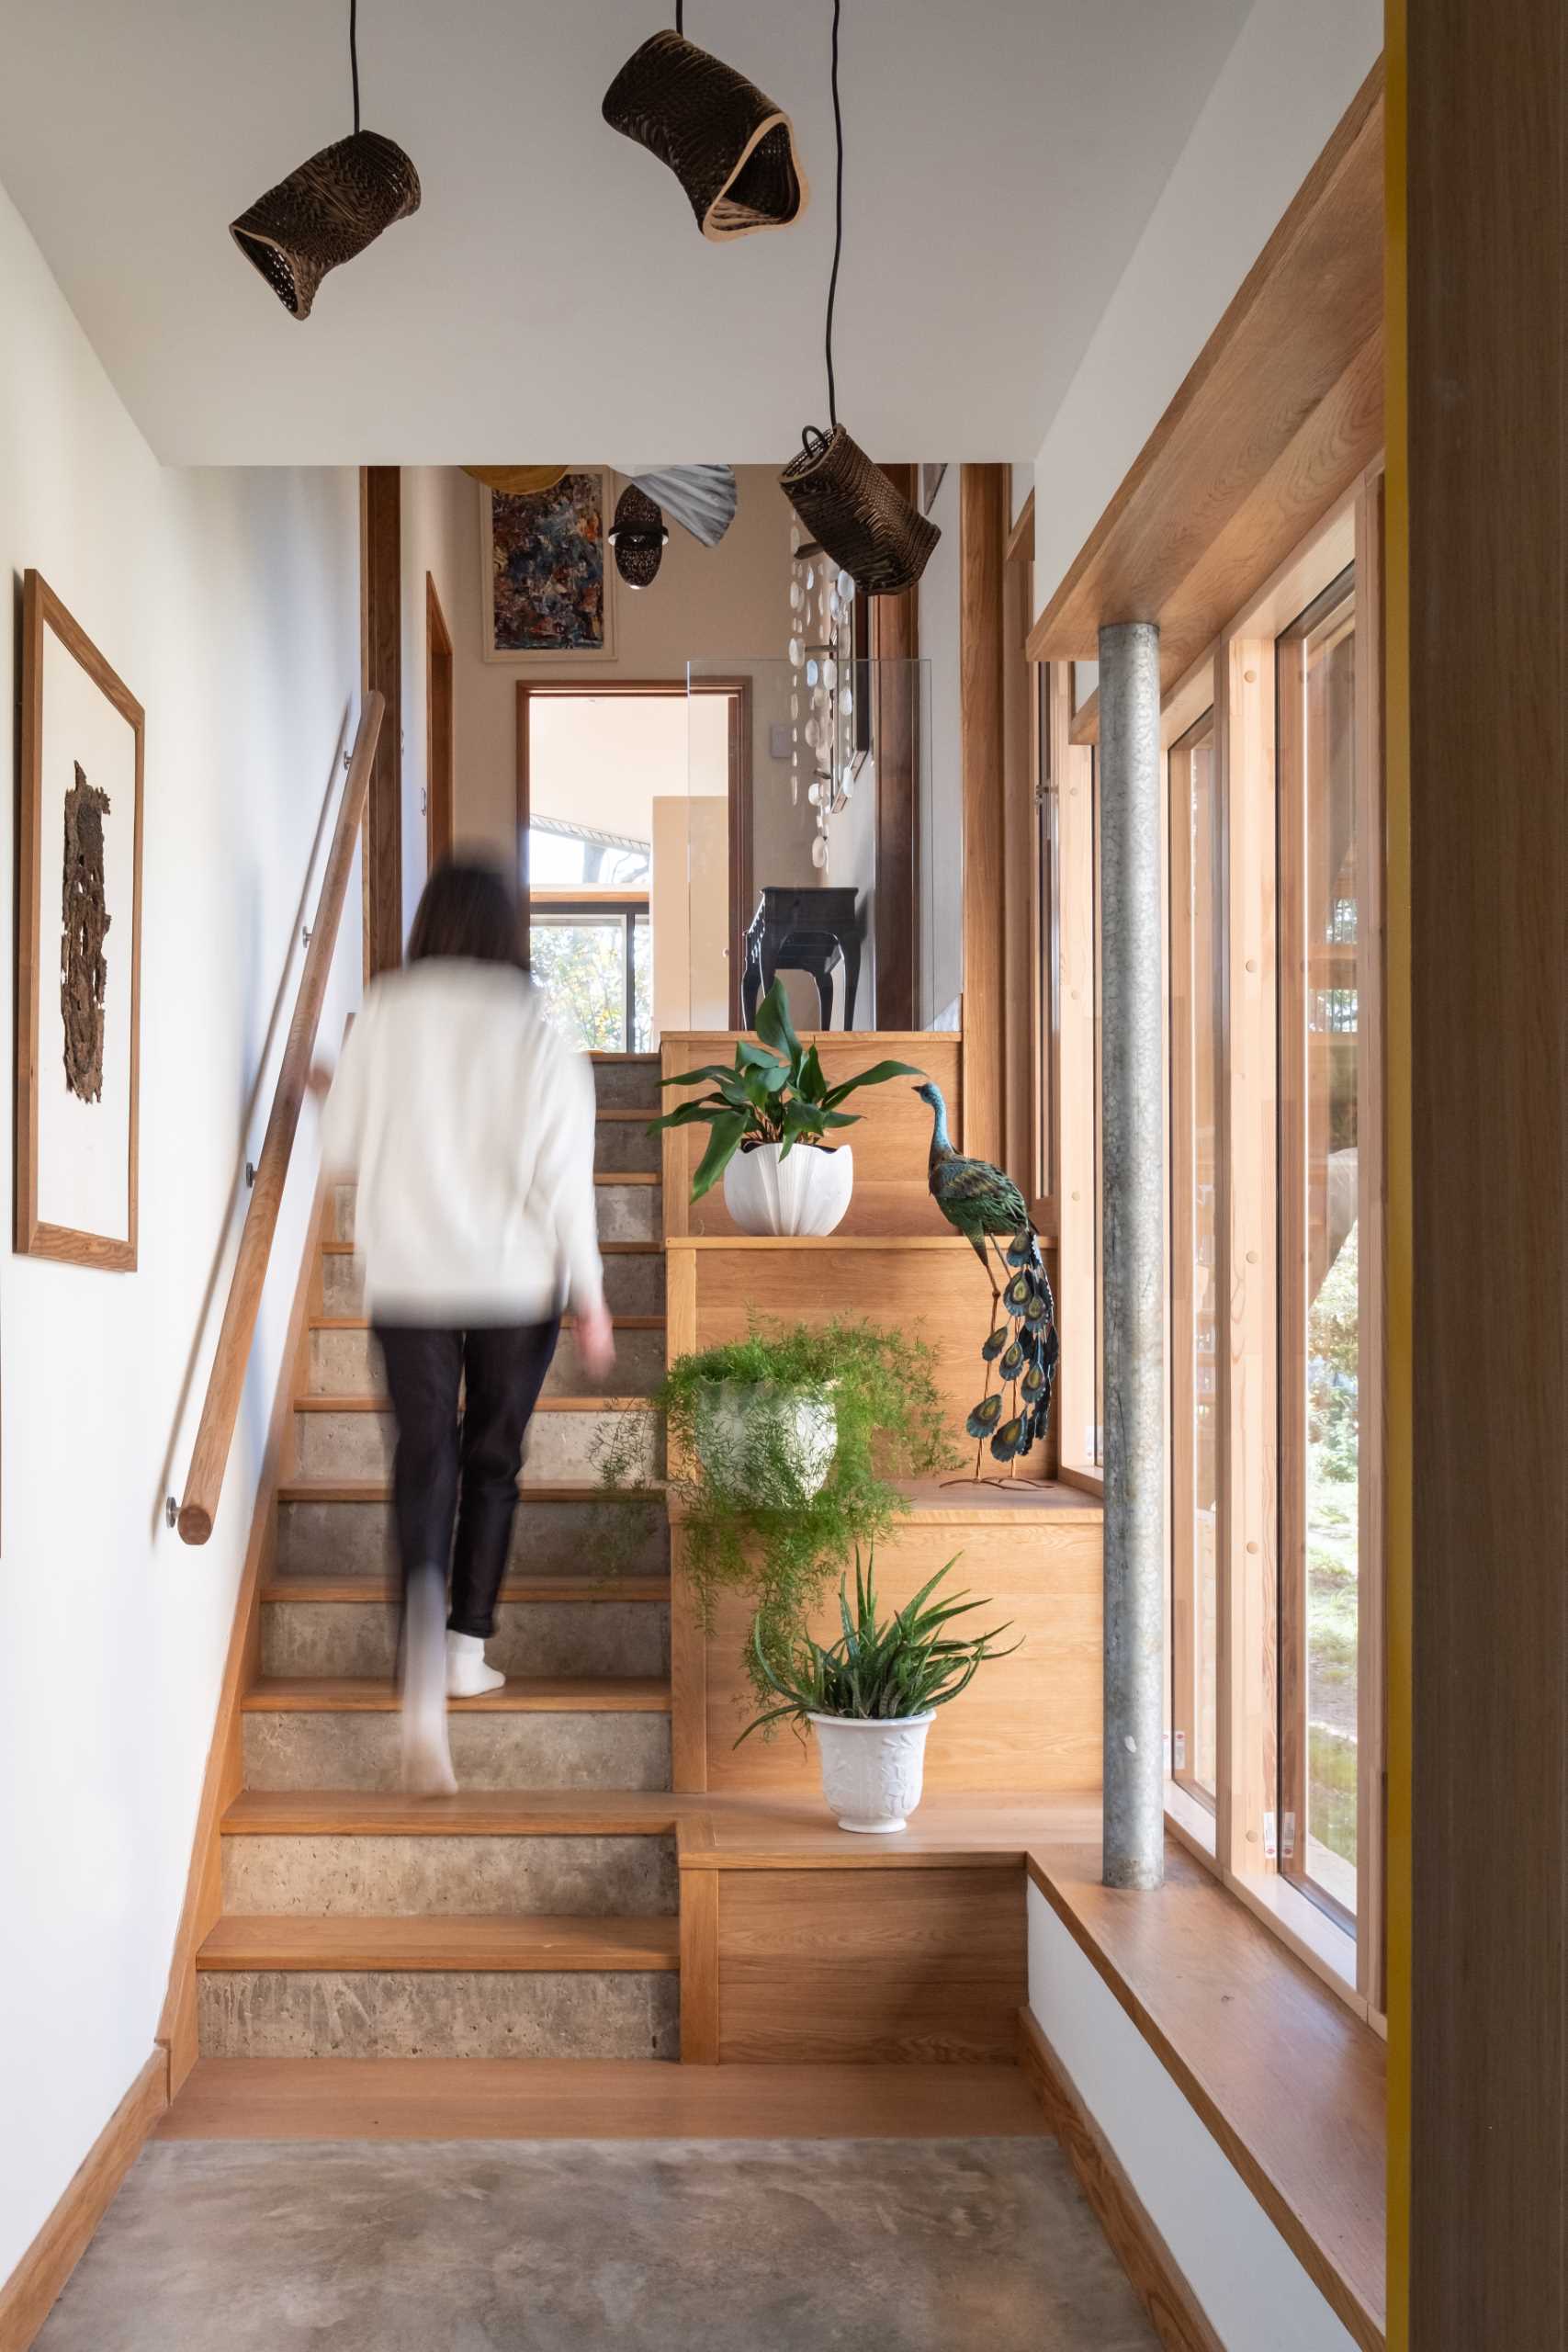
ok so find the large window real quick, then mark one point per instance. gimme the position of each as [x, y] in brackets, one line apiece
[1324, 1079]
[590, 956]
[1274, 948]
[1196, 940]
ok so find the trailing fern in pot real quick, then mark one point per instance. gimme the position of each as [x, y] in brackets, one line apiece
[784, 1448]
[872, 1698]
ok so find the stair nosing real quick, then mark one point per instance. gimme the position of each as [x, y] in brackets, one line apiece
[473, 1813]
[327, 1591]
[379, 1490]
[480, 1944]
[356, 1694]
[569, 1322]
[372, 1403]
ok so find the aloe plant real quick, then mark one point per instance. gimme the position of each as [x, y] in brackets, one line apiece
[776, 1091]
[877, 1673]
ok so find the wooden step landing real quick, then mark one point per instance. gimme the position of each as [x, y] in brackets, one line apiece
[585, 2098]
[473, 1813]
[486, 1942]
[548, 1695]
[381, 1590]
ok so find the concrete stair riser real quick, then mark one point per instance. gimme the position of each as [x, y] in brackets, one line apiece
[563, 1448]
[497, 1750]
[348, 1364]
[634, 1283]
[622, 1145]
[626, 1212]
[531, 1637]
[588, 1538]
[394, 1878]
[280, 2013]
[627, 1085]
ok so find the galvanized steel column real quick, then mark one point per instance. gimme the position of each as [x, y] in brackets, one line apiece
[1132, 1150]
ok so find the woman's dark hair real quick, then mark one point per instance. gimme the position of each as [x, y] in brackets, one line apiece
[468, 908]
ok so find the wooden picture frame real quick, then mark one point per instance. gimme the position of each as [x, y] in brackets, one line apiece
[47, 1164]
[553, 655]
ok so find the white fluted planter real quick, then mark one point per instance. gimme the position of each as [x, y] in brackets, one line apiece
[807, 1192]
[750, 1434]
[873, 1771]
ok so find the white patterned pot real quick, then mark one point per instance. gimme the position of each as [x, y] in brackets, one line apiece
[871, 1770]
[753, 1436]
[807, 1192]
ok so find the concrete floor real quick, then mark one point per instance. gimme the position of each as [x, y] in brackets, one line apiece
[908, 2246]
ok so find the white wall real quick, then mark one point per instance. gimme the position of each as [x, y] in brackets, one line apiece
[1289, 77]
[1250, 2284]
[227, 603]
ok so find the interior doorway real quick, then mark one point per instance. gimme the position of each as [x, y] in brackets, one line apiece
[440, 761]
[633, 807]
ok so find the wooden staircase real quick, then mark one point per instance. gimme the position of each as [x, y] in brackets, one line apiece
[534, 1914]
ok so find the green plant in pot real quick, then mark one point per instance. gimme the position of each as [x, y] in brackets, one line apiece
[872, 1698]
[784, 1448]
[769, 1118]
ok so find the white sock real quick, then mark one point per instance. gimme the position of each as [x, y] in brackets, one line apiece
[467, 1674]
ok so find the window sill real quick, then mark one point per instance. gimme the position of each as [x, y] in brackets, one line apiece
[1089, 1480]
[1327, 1948]
[1289, 2081]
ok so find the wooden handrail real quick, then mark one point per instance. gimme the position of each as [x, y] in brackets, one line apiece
[226, 1381]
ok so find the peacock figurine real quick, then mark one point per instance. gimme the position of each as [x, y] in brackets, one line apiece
[982, 1203]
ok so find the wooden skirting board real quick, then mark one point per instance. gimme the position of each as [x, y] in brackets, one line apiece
[1174, 2313]
[29, 2294]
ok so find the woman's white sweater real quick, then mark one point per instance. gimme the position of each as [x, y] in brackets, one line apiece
[467, 1126]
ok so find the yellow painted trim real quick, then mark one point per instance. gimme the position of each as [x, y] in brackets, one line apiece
[1399, 1338]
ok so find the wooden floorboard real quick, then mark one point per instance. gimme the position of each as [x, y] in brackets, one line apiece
[442, 2098]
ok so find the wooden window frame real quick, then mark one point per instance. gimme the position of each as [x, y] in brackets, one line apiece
[628, 908]
[1183, 1011]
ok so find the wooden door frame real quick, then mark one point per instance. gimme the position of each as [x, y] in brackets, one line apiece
[381, 670]
[440, 735]
[739, 786]
[896, 637]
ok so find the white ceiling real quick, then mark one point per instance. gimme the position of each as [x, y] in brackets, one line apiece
[552, 296]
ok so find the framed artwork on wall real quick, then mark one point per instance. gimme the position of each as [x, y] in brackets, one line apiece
[547, 585]
[78, 946]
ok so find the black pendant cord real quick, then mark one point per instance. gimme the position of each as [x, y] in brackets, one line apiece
[681, 18]
[838, 224]
[353, 56]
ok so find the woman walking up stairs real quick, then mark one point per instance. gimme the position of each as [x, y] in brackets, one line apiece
[469, 1131]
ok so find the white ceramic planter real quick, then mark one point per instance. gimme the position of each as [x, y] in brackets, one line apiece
[872, 1771]
[749, 1430]
[807, 1192]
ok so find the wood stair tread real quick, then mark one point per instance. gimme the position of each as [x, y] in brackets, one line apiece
[335, 1249]
[379, 1490]
[457, 1941]
[569, 1322]
[522, 1589]
[473, 1813]
[546, 1694]
[373, 1404]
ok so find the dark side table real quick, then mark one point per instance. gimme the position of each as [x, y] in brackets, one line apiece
[799, 930]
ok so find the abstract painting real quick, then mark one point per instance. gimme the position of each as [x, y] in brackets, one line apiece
[77, 987]
[546, 587]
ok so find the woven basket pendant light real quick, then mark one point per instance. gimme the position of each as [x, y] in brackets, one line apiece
[731, 148]
[518, 482]
[330, 209]
[846, 502]
[638, 535]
